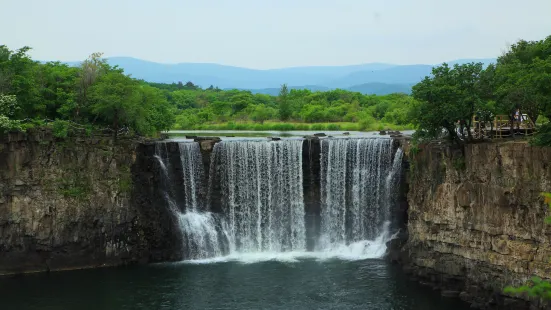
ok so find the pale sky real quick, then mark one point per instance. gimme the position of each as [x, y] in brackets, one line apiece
[273, 33]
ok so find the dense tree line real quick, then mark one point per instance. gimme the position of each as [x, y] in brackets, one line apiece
[92, 95]
[97, 95]
[520, 80]
[197, 107]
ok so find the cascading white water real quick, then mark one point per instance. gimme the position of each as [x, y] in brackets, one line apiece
[262, 199]
[199, 229]
[393, 178]
[357, 189]
[192, 173]
[200, 234]
[258, 190]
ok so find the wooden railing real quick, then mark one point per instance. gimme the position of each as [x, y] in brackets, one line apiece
[502, 127]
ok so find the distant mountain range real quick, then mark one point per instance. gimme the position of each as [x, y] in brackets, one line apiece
[367, 88]
[372, 78]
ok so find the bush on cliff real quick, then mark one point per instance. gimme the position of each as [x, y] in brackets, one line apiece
[543, 138]
[7, 125]
[536, 287]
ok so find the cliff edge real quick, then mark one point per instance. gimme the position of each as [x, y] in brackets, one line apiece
[476, 219]
[78, 202]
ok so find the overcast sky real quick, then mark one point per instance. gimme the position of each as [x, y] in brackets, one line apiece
[273, 33]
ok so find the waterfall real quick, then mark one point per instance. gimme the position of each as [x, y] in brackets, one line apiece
[161, 154]
[199, 229]
[192, 173]
[253, 205]
[201, 237]
[262, 198]
[393, 178]
[357, 189]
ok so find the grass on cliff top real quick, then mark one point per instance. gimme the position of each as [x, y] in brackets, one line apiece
[292, 126]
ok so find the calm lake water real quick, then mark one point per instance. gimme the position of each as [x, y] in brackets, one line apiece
[303, 284]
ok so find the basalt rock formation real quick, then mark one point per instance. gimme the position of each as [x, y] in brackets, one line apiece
[476, 220]
[78, 202]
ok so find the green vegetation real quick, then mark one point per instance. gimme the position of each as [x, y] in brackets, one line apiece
[125, 178]
[288, 126]
[77, 192]
[521, 79]
[213, 109]
[8, 109]
[536, 287]
[96, 96]
[459, 164]
[93, 95]
[73, 186]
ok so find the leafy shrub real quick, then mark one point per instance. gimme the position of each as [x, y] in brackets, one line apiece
[60, 128]
[7, 125]
[536, 287]
[8, 105]
[543, 137]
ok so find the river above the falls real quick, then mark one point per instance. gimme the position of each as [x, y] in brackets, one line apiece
[240, 134]
[276, 284]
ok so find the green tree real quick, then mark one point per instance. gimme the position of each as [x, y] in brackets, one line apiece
[190, 86]
[8, 105]
[449, 96]
[91, 70]
[284, 105]
[436, 107]
[262, 113]
[523, 78]
[58, 89]
[18, 77]
[240, 101]
[155, 113]
[116, 100]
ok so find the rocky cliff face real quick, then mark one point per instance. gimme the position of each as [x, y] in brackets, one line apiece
[476, 220]
[77, 203]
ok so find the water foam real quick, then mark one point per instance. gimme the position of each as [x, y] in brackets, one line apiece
[359, 250]
[200, 234]
[199, 229]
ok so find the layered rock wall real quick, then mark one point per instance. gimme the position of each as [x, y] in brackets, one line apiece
[476, 219]
[78, 203]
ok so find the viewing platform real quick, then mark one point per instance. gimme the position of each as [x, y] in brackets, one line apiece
[500, 127]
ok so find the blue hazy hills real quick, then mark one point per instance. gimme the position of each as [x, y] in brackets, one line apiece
[371, 78]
